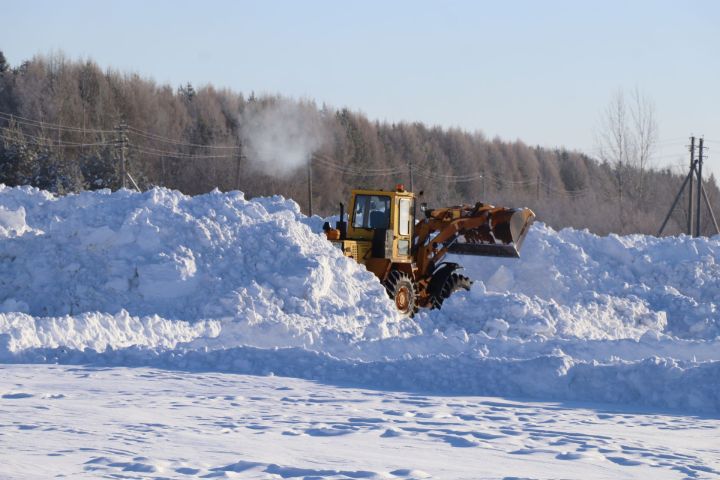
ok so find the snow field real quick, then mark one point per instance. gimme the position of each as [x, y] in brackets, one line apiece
[91, 422]
[220, 283]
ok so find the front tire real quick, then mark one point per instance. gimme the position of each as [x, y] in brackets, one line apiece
[403, 291]
[455, 282]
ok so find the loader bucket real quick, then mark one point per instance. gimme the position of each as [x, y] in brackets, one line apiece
[503, 237]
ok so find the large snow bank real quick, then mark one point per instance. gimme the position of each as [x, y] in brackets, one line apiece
[252, 264]
[218, 282]
[574, 283]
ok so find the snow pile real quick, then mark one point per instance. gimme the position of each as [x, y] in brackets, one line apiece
[252, 264]
[217, 282]
[575, 284]
[590, 315]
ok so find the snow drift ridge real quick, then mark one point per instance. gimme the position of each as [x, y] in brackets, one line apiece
[220, 282]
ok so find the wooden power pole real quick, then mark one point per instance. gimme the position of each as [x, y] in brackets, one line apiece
[692, 169]
[310, 188]
[699, 187]
[695, 200]
[122, 144]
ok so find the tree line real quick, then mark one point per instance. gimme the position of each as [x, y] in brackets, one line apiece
[66, 125]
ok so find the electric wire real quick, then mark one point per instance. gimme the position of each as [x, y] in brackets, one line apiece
[321, 160]
[366, 173]
[47, 142]
[152, 136]
[327, 160]
[51, 126]
[178, 155]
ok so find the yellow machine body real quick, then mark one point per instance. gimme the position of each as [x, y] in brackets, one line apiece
[382, 233]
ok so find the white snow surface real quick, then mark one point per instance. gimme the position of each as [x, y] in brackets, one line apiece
[574, 283]
[141, 423]
[93, 259]
[220, 283]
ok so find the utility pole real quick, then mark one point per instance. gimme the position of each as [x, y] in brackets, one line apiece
[412, 189]
[122, 144]
[537, 189]
[699, 187]
[692, 169]
[695, 167]
[677, 197]
[309, 179]
[237, 168]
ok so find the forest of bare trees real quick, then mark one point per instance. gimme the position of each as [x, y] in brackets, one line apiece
[66, 126]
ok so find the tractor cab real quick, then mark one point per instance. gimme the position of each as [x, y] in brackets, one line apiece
[379, 230]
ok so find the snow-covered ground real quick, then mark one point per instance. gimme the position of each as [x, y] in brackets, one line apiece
[203, 289]
[90, 422]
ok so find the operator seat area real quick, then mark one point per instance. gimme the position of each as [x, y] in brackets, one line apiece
[379, 219]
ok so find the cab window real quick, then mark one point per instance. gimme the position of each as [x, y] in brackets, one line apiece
[405, 217]
[371, 211]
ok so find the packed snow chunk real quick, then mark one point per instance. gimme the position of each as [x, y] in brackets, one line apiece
[172, 276]
[496, 327]
[12, 222]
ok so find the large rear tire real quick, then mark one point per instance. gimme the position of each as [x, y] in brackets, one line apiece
[403, 291]
[455, 282]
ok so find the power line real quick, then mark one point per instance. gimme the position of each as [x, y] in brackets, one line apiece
[47, 142]
[329, 161]
[51, 126]
[173, 151]
[450, 178]
[323, 160]
[361, 173]
[130, 129]
[152, 136]
[352, 169]
[167, 153]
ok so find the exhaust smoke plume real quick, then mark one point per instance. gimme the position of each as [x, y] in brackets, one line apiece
[281, 136]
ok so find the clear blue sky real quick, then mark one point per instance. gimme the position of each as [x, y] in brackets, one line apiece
[538, 71]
